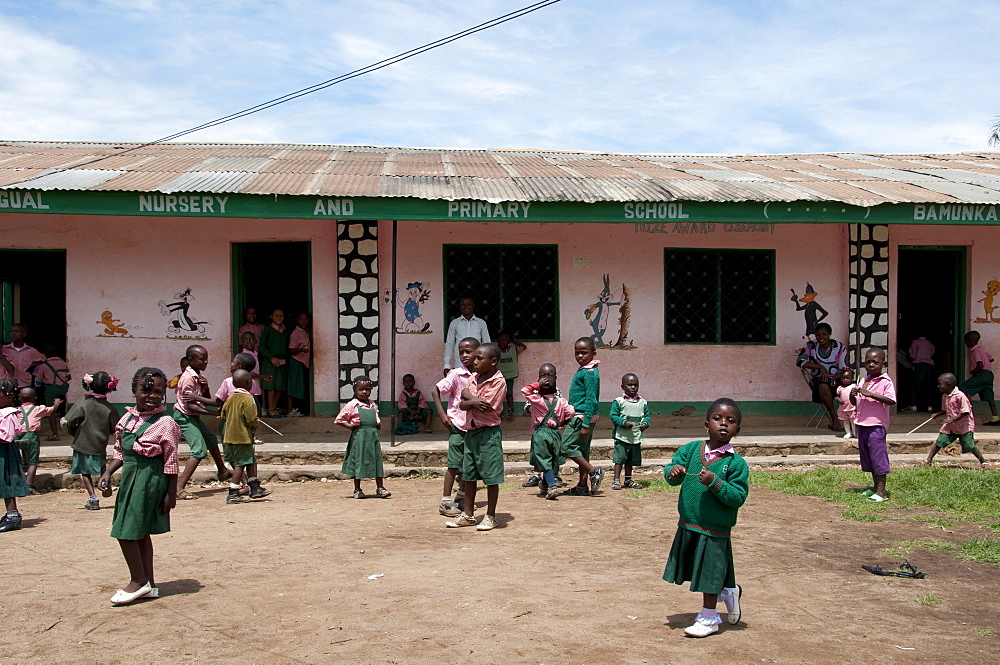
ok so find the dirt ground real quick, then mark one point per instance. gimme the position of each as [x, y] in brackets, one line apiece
[577, 580]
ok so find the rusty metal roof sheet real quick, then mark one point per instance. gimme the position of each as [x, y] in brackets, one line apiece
[500, 175]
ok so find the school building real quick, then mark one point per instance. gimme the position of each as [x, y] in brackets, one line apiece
[698, 273]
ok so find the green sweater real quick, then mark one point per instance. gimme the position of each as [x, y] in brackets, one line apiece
[584, 392]
[709, 510]
[91, 421]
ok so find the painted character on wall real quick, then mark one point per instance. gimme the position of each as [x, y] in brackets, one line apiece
[991, 292]
[111, 325]
[413, 321]
[599, 313]
[182, 325]
[808, 303]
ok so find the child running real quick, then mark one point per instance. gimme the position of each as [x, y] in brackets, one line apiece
[363, 458]
[28, 441]
[91, 422]
[584, 393]
[980, 381]
[958, 424]
[872, 400]
[714, 482]
[413, 409]
[482, 401]
[453, 420]
[846, 410]
[510, 349]
[12, 482]
[239, 412]
[188, 412]
[548, 414]
[146, 452]
[630, 414]
[52, 379]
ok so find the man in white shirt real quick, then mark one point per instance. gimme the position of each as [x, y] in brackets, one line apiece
[467, 325]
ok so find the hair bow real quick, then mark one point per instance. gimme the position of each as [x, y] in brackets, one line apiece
[113, 384]
[87, 380]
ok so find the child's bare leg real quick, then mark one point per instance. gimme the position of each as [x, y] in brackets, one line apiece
[54, 425]
[238, 474]
[879, 481]
[931, 453]
[585, 468]
[379, 482]
[216, 454]
[357, 484]
[146, 552]
[251, 470]
[470, 497]
[29, 475]
[88, 484]
[979, 455]
[11, 504]
[449, 482]
[492, 494]
[628, 470]
[272, 401]
[189, 467]
[133, 558]
[993, 407]
[709, 600]
[618, 472]
[427, 423]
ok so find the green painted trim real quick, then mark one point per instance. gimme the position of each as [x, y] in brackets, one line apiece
[674, 217]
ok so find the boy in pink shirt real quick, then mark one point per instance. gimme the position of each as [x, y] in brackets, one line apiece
[872, 400]
[52, 379]
[548, 413]
[959, 423]
[19, 358]
[980, 381]
[453, 420]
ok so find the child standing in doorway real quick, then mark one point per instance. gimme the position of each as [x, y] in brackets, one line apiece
[248, 345]
[12, 482]
[250, 324]
[52, 379]
[28, 441]
[272, 349]
[872, 400]
[630, 414]
[584, 393]
[959, 424]
[510, 349]
[980, 381]
[92, 421]
[714, 482]
[548, 413]
[363, 458]
[846, 409]
[453, 420]
[299, 350]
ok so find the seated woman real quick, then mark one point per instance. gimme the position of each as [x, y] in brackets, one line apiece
[825, 359]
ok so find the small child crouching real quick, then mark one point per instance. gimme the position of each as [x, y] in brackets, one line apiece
[239, 412]
[363, 458]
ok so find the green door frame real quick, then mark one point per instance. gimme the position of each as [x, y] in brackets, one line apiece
[959, 310]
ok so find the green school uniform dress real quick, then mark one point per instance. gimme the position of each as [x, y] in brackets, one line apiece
[91, 421]
[702, 551]
[143, 486]
[12, 482]
[273, 344]
[363, 458]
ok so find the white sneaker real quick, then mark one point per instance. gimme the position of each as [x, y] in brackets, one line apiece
[702, 627]
[909, 409]
[731, 597]
[847, 436]
[489, 522]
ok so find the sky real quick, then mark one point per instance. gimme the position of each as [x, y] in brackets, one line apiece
[648, 76]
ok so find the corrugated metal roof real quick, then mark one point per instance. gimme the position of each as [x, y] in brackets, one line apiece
[500, 175]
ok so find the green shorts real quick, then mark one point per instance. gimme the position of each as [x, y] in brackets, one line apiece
[483, 459]
[50, 391]
[627, 453]
[456, 448]
[238, 454]
[968, 441]
[196, 433]
[574, 444]
[30, 448]
[981, 384]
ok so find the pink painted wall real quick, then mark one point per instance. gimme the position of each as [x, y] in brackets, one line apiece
[804, 253]
[128, 264]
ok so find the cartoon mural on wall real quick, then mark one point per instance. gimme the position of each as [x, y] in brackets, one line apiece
[991, 292]
[413, 321]
[808, 303]
[111, 325]
[182, 326]
[599, 314]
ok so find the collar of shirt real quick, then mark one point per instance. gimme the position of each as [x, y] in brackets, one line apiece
[365, 405]
[711, 455]
[136, 412]
[632, 399]
[241, 390]
[280, 329]
[593, 363]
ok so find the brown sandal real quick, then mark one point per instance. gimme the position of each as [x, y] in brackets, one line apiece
[184, 495]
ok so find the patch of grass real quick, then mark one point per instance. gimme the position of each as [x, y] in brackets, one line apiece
[510, 486]
[928, 600]
[424, 475]
[658, 484]
[637, 494]
[932, 519]
[982, 550]
[985, 632]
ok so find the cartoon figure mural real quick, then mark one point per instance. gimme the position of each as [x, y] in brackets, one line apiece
[413, 321]
[808, 303]
[991, 292]
[182, 325]
[599, 314]
[111, 325]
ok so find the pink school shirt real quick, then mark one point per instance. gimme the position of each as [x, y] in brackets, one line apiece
[187, 383]
[255, 385]
[10, 423]
[22, 359]
[36, 415]
[977, 354]
[452, 386]
[846, 410]
[227, 388]
[954, 403]
[349, 414]
[712, 455]
[537, 407]
[421, 403]
[922, 351]
[45, 375]
[870, 412]
[161, 438]
[492, 390]
[255, 328]
[299, 337]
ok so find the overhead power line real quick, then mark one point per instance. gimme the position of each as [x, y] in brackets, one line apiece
[381, 64]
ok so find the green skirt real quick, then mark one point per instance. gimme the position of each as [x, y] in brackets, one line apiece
[704, 561]
[87, 465]
[575, 444]
[297, 373]
[279, 375]
[545, 444]
[139, 504]
[363, 458]
[12, 482]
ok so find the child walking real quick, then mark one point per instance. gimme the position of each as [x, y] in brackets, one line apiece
[630, 414]
[453, 420]
[980, 381]
[91, 422]
[714, 482]
[584, 393]
[958, 424]
[146, 452]
[28, 441]
[413, 409]
[548, 414]
[510, 349]
[12, 482]
[363, 458]
[188, 412]
[482, 401]
[872, 400]
[52, 379]
[239, 412]
[846, 409]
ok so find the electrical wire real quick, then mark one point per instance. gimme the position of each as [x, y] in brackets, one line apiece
[381, 64]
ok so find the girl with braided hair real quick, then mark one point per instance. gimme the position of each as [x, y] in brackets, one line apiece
[12, 481]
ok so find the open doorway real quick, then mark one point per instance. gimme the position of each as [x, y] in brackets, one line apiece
[930, 296]
[269, 275]
[33, 292]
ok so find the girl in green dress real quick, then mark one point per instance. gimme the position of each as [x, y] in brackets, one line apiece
[12, 481]
[146, 452]
[363, 458]
[272, 349]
